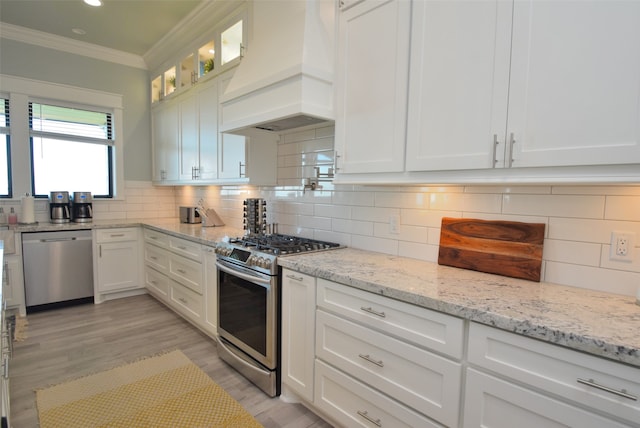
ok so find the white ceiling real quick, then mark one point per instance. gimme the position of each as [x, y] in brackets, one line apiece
[131, 26]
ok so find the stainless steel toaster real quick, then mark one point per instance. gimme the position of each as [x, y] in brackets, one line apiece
[189, 215]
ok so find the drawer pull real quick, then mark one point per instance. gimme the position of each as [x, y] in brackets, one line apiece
[365, 415]
[295, 278]
[371, 360]
[154, 282]
[153, 237]
[621, 393]
[183, 248]
[182, 300]
[373, 311]
[153, 257]
[117, 235]
[182, 271]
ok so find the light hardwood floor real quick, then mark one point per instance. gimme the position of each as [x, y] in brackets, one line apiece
[68, 343]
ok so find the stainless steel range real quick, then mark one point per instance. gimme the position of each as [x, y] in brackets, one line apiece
[249, 303]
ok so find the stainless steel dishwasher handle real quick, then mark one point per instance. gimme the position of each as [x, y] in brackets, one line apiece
[59, 239]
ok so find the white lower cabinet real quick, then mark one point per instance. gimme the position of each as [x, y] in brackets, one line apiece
[298, 332]
[210, 291]
[175, 275]
[116, 263]
[369, 362]
[495, 403]
[579, 380]
[379, 362]
[354, 404]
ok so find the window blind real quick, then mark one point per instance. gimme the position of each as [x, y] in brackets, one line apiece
[72, 124]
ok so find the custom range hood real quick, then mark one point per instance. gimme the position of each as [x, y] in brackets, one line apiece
[285, 79]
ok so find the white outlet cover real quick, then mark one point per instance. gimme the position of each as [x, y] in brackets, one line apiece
[631, 238]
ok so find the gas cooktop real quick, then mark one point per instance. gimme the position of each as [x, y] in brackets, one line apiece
[279, 245]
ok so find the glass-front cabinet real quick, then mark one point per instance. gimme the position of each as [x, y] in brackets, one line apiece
[211, 55]
[232, 42]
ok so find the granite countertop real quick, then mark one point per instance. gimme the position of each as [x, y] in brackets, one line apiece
[602, 324]
[171, 226]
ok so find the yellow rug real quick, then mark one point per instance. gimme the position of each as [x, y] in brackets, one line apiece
[163, 391]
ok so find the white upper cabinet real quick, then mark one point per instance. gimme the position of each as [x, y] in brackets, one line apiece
[371, 86]
[575, 83]
[459, 83]
[535, 91]
[164, 120]
[524, 84]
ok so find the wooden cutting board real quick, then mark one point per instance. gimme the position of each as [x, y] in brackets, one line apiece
[506, 248]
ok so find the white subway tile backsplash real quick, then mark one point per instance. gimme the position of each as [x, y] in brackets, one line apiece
[579, 253]
[622, 208]
[552, 205]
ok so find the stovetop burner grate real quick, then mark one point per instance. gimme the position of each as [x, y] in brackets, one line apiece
[282, 244]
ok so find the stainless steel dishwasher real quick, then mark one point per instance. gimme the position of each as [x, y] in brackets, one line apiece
[58, 267]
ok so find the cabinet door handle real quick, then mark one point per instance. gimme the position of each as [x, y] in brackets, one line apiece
[295, 278]
[365, 414]
[240, 166]
[100, 250]
[373, 311]
[368, 358]
[495, 150]
[620, 393]
[512, 141]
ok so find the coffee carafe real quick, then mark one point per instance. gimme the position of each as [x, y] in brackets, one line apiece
[59, 207]
[82, 207]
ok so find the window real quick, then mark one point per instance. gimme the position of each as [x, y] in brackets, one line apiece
[5, 150]
[71, 150]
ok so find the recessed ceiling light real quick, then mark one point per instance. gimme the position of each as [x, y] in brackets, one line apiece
[79, 31]
[93, 2]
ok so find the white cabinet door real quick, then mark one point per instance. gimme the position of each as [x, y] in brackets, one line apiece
[459, 81]
[232, 152]
[494, 403]
[165, 141]
[210, 321]
[189, 153]
[208, 131]
[118, 264]
[575, 83]
[298, 332]
[371, 86]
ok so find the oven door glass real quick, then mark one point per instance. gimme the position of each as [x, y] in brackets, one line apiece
[246, 314]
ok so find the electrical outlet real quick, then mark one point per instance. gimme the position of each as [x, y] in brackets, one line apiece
[393, 224]
[622, 246]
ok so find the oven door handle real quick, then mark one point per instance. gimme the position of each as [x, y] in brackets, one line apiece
[266, 282]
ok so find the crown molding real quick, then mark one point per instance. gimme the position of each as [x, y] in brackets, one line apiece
[65, 44]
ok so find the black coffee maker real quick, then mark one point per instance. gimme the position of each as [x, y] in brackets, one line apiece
[82, 207]
[59, 207]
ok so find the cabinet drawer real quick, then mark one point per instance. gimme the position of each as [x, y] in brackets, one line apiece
[423, 381]
[189, 249]
[353, 404]
[430, 329]
[187, 272]
[157, 258]
[116, 235]
[156, 238]
[156, 283]
[557, 370]
[491, 402]
[186, 301]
